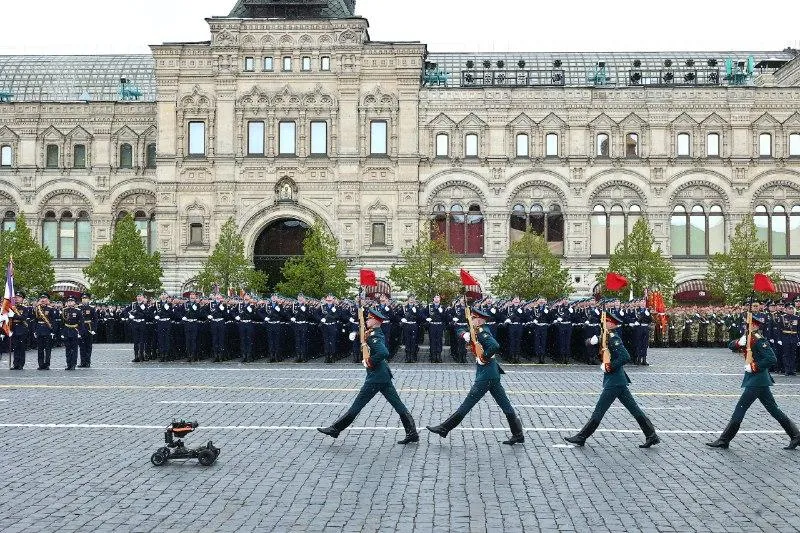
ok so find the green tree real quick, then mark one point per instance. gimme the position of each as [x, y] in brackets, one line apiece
[123, 267]
[428, 268]
[641, 261]
[228, 267]
[33, 264]
[319, 271]
[730, 275]
[531, 270]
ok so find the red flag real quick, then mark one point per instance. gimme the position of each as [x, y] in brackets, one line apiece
[762, 283]
[368, 278]
[467, 279]
[615, 282]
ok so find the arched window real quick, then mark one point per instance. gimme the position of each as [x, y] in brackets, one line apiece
[67, 237]
[522, 145]
[602, 148]
[608, 229]
[554, 230]
[551, 145]
[779, 229]
[462, 229]
[794, 145]
[761, 219]
[778, 236]
[125, 156]
[684, 143]
[151, 155]
[442, 145]
[598, 223]
[9, 221]
[697, 232]
[518, 223]
[616, 227]
[632, 145]
[765, 145]
[537, 219]
[147, 230]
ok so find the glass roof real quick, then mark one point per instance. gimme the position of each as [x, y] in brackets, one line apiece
[75, 78]
[580, 68]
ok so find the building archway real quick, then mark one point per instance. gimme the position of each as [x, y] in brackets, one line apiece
[278, 242]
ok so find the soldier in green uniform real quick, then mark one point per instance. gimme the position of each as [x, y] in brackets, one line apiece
[379, 379]
[615, 386]
[757, 382]
[487, 379]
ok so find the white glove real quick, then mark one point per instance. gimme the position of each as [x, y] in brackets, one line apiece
[93, 333]
[323, 321]
[558, 319]
[456, 320]
[11, 314]
[303, 308]
[635, 323]
[493, 310]
[210, 317]
[403, 320]
[184, 318]
[130, 315]
[266, 319]
[293, 319]
[352, 320]
[773, 341]
[536, 322]
[742, 341]
[364, 363]
[237, 317]
[603, 368]
[2, 337]
[594, 340]
[429, 319]
[478, 360]
[53, 336]
[519, 311]
[278, 308]
[465, 336]
[780, 343]
[352, 336]
[508, 320]
[747, 368]
[157, 317]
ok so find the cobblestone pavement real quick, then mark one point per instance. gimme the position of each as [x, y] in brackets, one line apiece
[76, 448]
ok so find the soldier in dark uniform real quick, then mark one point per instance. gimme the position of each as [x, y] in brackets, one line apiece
[274, 315]
[163, 314]
[379, 379]
[458, 321]
[435, 317]
[137, 314]
[540, 326]
[515, 320]
[302, 317]
[88, 329]
[191, 323]
[71, 332]
[217, 313]
[20, 316]
[790, 338]
[329, 325]
[410, 323]
[563, 329]
[245, 315]
[45, 316]
[756, 383]
[641, 333]
[615, 386]
[487, 379]
[592, 330]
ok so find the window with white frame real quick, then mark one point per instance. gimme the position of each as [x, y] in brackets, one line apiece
[319, 137]
[9, 221]
[269, 64]
[6, 156]
[287, 138]
[51, 160]
[609, 228]
[125, 156]
[67, 237]
[378, 141]
[523, 145]
[255, 138]
[325, 63]
[305, 63]
[249, 64]
[794, 144]
[765, 145]
[697, 232]
[602, 147]
[197, 138]
[151, 156]
[683, 145]
[779, 229]
[378, 234]
[551, 145]
[442, 145]
[471, 145]
[287, 64]
[712, 145]
[632, 145]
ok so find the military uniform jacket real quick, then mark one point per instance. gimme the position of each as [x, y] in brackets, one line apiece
[218, 312]
[89, 317]
[164, 311]
[247, 312]
[436, 313]
[329, 313]
[45, 317]
[490, 370]
[516, 313]
[619, 358]
[764, 358]
[23, 315]
[378, 354]
[139, 312]
[72, 321]
[302, 313]
[195, 312]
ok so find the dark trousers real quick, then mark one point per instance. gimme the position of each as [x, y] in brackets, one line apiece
[85, 346]
[190, 331]
[164, 331]
[764, 395]
[218, 338]
[540, 340]
[139, 341]
[608, 396]
[514, 339]
[329, 340]
[246, 340]
[410, 341]
[71, 347]
[641, 338]
[44, 345]
[274, 341]
[19, 343]
[789, 354]
[435, 336]
[301, 341]
[479, 389]
[369, 390]
[564, 339]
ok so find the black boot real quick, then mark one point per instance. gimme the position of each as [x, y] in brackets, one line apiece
[337, 427]
[445, 427]
[517, 436]
[583, 434]
[410, 427]
[794, 434]
[651, 439]
[726, 437]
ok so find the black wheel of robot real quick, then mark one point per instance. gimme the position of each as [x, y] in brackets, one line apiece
[206, 457]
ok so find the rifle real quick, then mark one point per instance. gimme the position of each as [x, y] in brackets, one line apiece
[362, 332]
[604, 352]
[748, 351]
[477, 347]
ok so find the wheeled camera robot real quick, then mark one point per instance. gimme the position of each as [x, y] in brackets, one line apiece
[175, 449]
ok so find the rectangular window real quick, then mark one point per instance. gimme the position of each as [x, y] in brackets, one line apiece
[632, 145]
[84, 239]
[287, 143]
[5, 156]
[52, 156]
[522, 145]
[249, 64]
[765, 145]
[551, 145]
[151, 156]
[79, 156]
[66, 236]
[683, 145]
[678, 234]
[716, 234]
[196, 233]
[442, 145]
[379, 234]
[712, 145]
[50, 236]
[377, 139]
[794, 233]
[305, 63]
[197, 138]
[794, 144]
[255, 138]
[269, 64]
[471, 145]
[598, 230]
[126, 156]
[287, 64]
[319, 138]
[325, 63]
[602, 149]
[153, 237]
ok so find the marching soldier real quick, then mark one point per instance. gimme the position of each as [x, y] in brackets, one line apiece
[487, 379]
[515, 318]
[20, 316]
[615, 386]
[410, 319]
[378, 379]
[329, 324]
[245, 316]
[191, 322]
[163, 315]
[88, 329]
[756, 383]
[641, 333]
[137, 314]
[435, 318]
[274, 314]
[302, 317]
[217, 313]
[71, 333]
[45, 316]
[790, 338]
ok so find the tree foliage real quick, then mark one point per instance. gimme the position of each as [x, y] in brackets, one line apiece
[33, 264]
[319, 271]
[228, 267]
[123, 268]
[530, 270]
[428, 268]
[641, 261]
[730, 275]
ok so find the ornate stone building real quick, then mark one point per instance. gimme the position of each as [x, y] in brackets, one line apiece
[291, 112]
